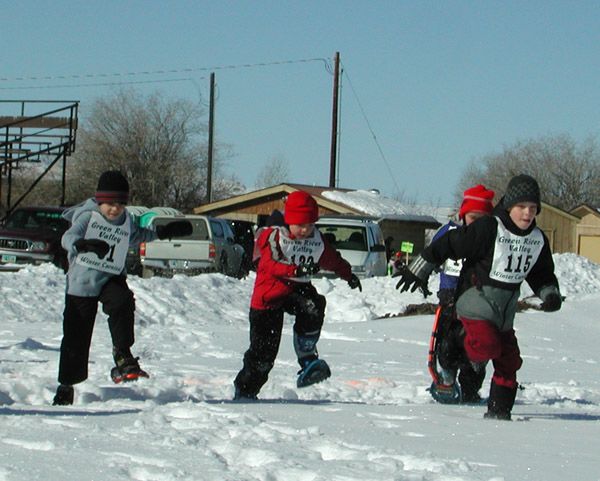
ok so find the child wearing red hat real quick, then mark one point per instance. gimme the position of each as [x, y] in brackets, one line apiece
[447, 358]
[499, 253]
[288, 255]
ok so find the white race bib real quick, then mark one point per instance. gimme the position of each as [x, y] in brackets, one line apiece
[300, 251]
[452, 268]
[117, 237]
[515, 255]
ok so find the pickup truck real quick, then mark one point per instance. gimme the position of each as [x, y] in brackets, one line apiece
[31, 235]
[209, 248]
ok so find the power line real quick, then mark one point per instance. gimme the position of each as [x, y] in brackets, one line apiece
[102, 84]
[163, 72]
[372, 132]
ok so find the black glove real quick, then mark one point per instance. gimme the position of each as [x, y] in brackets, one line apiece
[354, 282]
[415, 276]
[176, 228]
[307, 269]
[97, 246]
[552, 302]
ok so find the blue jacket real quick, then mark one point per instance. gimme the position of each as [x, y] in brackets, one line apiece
[84, 281]
[448, 276]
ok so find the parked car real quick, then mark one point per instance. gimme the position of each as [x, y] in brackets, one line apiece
[243, 232]
[209, 248]
[31, 235]
[359, 240]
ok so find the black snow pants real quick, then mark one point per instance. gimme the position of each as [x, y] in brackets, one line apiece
[265, 336]
[78, 324]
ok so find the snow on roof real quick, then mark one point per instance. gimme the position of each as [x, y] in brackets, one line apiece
[375, 204]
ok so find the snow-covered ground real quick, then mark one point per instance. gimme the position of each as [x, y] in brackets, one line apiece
[373, 420]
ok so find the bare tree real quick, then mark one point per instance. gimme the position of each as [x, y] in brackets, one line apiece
[568, 174]
[275, 171]
[159, 143]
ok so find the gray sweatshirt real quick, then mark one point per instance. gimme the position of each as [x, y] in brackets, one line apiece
[86, 281]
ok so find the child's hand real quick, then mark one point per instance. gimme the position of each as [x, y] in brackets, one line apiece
[415, 276]
[354, 282]
[307, 269]
[552, 302]
[97, 246]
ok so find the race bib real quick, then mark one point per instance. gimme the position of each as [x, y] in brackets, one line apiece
[452, 267]
[117, 237]
[300, 251]
[515, 255]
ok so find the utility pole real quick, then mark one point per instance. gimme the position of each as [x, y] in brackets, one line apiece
[211, 127]
[334, 121]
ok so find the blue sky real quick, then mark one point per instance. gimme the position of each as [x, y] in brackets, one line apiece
[436, 83]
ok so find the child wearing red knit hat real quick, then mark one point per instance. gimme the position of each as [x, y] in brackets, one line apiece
[447, 357]
[287, 256]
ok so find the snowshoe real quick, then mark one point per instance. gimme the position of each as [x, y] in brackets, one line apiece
[64, 395]
[127, 370]
[313, 372]
[445, 393]
[438, 374]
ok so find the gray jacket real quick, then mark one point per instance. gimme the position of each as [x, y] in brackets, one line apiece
[84, 281]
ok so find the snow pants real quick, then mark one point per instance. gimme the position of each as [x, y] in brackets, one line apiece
[451, 355]
[484, 342]
[78, 324]
[265, 336]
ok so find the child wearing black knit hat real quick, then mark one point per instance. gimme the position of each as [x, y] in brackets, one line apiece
[96, 243]
[499, 252]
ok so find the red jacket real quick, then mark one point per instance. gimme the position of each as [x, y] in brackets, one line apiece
[280, 255]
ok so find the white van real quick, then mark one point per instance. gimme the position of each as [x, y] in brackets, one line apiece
[359, 240]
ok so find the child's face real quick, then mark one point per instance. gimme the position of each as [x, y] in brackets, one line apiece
[301, 231]
[111, 211]
[523, 214]
[471, 217]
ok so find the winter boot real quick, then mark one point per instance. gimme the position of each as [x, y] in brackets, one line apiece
[64, 395]
[313, 370]
[470, 380]
[127, 367]
[500, 402]
[241, 395]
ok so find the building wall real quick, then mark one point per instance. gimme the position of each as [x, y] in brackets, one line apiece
[588, 237]
[560, 230]
[404, 232]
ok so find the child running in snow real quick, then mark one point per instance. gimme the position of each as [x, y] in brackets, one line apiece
[499, 252]
[449, 351]
[289, 254]
[96, 243]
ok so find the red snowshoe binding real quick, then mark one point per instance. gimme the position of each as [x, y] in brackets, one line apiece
[127, 370]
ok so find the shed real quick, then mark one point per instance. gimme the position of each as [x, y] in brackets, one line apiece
[560, 227]
[588, 232]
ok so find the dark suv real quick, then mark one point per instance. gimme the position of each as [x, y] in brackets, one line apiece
[31, 235]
